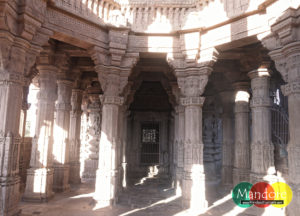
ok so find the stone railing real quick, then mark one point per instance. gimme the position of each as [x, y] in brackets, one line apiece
[159, 16]
[103, 11]
[143, 18]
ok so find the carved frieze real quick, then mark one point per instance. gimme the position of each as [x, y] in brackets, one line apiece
[112, 100]
[192, 101]
[291, 88]
[260, 102]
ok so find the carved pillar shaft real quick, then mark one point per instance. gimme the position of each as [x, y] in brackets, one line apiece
[194, 178]
[93, 137]
[74, 136]
[287, 61]
[241, 146]
[23, 166]
[262, 149]
[40, 175]
[228, 138]
[83, 134]
[124, 149]
[284, 45]
[11, 81]
[107, 173]
[61, 138]
[179, 124]
[192, 82]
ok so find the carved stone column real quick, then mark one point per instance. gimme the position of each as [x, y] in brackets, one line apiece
[11, 82]
[262, 149]
[23, 165]
[124, 147]
[228, 138]
[285, 51]
[192, 86]
[241, 161]
[61, 138]
[107, 173]
[93, 133]
[74, 136]
[179, 145]
[40, 175]
[83, 133]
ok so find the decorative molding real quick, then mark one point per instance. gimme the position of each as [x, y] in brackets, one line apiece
[112, 100]
[192, 101]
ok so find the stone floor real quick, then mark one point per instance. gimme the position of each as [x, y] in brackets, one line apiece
[148, 197]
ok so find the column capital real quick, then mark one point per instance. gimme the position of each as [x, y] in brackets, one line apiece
[95, 104]
[112, 79]
[192, 81]
[192, 101]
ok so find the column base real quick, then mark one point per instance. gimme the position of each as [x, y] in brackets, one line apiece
[10, 196]
[193, 193]
[61, 178]
[105, 189]
[240, 175]
[38, 185]
[74, 177]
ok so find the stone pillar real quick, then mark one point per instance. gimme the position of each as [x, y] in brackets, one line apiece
[179, 122]
[23, 145]
[292, 90]
[262, 149]
[74, 136]
[40, 175]
[83, 133]
[193, 183]
[287, 62]
[93, 132]
[11, 82]
[241, 161]
[61, 138]
[124, 148]
[107, 173]
[228, 138]
[25, 107]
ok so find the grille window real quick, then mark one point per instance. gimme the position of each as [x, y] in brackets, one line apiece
[150, 143]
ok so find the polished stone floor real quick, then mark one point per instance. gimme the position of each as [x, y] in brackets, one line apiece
[147, 197]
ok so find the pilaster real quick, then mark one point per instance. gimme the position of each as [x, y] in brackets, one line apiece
[61, 138]
[179, 147]
[93, 137]
[74, 136]
[227, 98]
[241, 161]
